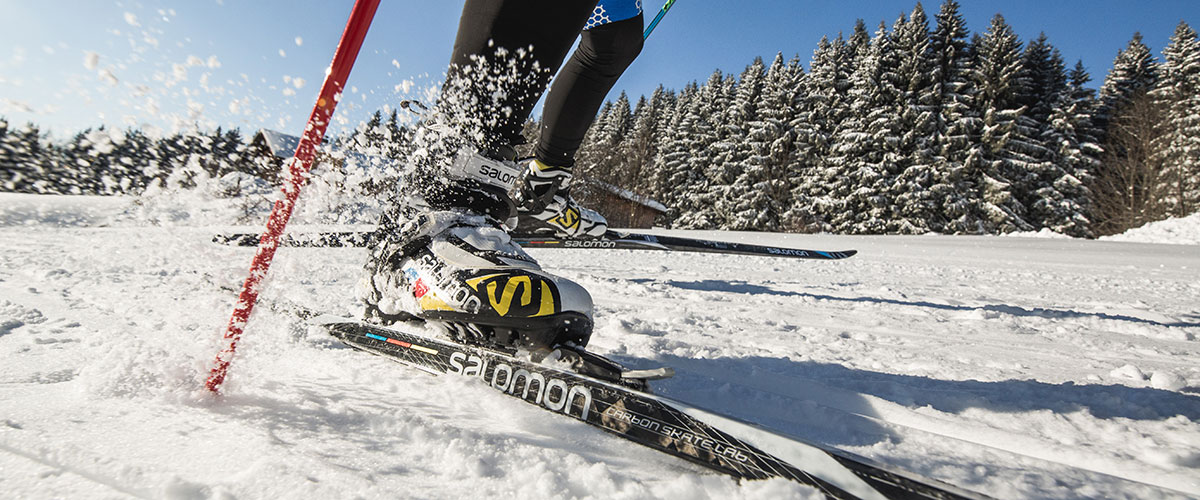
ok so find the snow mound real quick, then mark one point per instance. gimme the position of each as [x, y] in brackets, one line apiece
[1178, 231]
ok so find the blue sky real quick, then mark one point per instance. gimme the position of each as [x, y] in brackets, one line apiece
[71, 64]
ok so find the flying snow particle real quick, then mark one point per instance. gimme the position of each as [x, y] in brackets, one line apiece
[298, 82]
[17, 106]
[213, 62]
[131, 19]
[108, 77]
[282, 53]
[299, 41]
[90, 60]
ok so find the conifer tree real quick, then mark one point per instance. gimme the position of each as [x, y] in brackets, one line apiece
[957, 125]
[1133, 73]
[735, 196]
[761, 194]
[1053, 194]
[822, 96]
[707, 149]
[671, 170]
[1177, 93]
[26, 162]
[640, 144]
[996, 78]
[606, 163]
[1071, 132]
[917, 108]
[863, 153]
[1126, 187]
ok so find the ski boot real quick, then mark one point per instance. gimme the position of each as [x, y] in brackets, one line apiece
[451, 262]
[545, 206]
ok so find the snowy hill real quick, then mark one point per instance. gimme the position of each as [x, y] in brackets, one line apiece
[1015, 367]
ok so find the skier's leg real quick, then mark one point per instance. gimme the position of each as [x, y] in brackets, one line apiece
[545, 203]
[441, 252]
[579, 90]
[505, 54]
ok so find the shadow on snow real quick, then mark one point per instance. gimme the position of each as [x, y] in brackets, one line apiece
[1037, 312]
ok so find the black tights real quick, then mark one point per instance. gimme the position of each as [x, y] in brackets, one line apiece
[549, 27]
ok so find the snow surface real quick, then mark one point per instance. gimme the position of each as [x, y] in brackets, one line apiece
[1015, 367]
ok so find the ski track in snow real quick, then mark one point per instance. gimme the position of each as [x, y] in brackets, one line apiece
[1015, 367]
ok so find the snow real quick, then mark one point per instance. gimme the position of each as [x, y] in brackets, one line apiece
[1179, 231]
[1015, 367]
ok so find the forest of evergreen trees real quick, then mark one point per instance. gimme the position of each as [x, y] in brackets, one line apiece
[916, 127]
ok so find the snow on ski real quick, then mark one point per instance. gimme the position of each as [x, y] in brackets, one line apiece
[712, 440]
[612, 240]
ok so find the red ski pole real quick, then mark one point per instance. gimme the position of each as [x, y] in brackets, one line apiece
[297, 171]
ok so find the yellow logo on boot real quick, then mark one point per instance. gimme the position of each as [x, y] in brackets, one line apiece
[522, 287]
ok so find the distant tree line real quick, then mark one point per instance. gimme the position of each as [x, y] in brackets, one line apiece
[106, 162]
[915, 127]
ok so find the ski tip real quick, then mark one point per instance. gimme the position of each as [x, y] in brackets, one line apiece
[837, 255]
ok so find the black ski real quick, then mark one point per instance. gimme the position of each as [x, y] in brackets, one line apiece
[736, 448]
[612, 240]
[640, 241]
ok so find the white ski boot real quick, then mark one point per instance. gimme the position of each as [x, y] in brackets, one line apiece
[545, 206]
[446, 257]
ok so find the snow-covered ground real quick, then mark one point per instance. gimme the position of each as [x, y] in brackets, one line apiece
[1015, 367]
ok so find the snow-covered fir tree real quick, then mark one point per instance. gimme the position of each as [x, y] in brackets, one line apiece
[659, 186]
[605, 161]
[823, 102]
[689, 152]
[1052, 192]
[863, 154]
[1134, 72]
[997, 81]
[26, 167]
[700, 175]
[957, 126]
[761, 190]
[640, 145]
[915, 209]
[1072, 135]
[1126, 186]
[1177, 94]
[737, 199]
